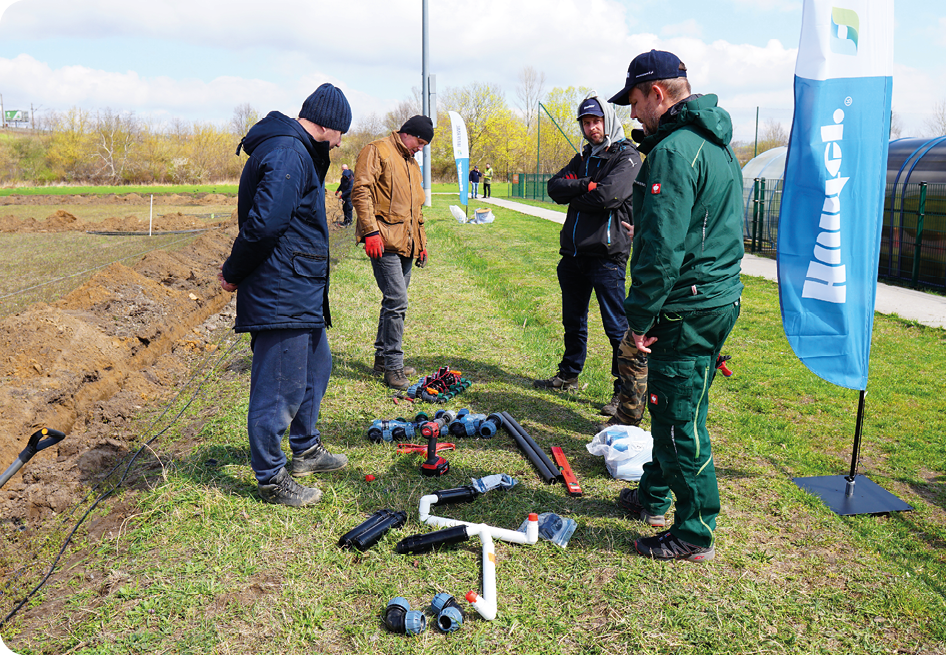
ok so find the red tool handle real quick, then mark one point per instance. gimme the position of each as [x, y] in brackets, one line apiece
[571, 482]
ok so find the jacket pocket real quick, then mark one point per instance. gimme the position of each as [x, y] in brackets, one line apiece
[670, 389]
[308, 264]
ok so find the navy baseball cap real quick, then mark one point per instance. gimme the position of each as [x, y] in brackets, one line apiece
[590, 107]
[649, 66]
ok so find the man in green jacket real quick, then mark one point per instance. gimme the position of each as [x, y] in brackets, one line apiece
[685, 291]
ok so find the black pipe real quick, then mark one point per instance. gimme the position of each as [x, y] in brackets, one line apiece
[370, 532]
[463, 494]
[424, 543]
[373, 534]
[529, 448]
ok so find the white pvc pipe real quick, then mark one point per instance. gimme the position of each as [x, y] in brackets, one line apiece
[485, 604]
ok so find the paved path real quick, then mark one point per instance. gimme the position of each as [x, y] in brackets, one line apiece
[925, 308]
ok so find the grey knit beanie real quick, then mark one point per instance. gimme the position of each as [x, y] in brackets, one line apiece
[328, 107]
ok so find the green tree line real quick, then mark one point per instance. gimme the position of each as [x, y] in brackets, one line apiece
[538, 131]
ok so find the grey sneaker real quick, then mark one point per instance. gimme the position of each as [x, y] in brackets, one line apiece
[316, 460]
[665, 546]
[612, 407]
[396, 379]
[379, 368]
[557, 383]
[627, 500]
[283, 490]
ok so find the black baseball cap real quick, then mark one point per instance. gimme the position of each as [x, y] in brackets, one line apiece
[646, 67]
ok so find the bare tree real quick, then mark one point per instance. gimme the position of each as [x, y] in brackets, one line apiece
[936, 123]
[530, 90]
[244, 117]
[115, 137]
[896, 125]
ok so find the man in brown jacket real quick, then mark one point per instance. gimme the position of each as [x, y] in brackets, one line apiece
[388, 196]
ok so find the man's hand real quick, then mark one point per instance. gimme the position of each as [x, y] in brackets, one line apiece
[226, 286]
[421, 259]
[629, 228]
[592, 186]
[642, 342]
[569, 176]
[338, 194]
[374, 246]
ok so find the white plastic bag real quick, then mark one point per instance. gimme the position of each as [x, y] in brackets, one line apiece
[458, 213]
[481, 216]
[625, 448]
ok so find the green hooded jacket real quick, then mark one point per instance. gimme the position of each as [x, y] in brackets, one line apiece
[688, 216]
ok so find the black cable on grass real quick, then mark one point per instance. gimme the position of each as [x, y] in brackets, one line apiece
[108, 492]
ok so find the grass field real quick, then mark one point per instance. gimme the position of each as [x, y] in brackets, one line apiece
[202, 566]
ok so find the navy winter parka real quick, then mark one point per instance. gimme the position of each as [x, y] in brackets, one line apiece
[280, 259]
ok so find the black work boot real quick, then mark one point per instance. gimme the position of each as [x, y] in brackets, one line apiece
[558, 383]
[283, 490]
[396, 379]
[316, 460]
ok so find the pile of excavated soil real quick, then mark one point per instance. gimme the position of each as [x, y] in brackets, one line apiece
[91, 362]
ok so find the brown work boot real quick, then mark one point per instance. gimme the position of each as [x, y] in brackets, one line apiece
[558, 383]
[379, 368]
[396, 379]
[612, 407]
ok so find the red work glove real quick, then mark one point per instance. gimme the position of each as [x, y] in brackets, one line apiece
[592, 186]
[374, 246]
[570, 176]
[421, 259]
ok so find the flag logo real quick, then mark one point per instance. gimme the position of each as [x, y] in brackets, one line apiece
[655, 189]
[844, 28]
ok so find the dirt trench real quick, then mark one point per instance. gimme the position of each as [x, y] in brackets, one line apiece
[91, 362]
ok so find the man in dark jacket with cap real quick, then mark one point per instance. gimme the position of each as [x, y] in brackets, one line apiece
[279, 266]
[594, 245]
[684, 296]
[388, 197]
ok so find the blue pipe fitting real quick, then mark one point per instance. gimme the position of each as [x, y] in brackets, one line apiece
[399, 617]
[448, 612]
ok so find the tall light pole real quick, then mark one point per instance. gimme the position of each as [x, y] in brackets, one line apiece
[425, 95]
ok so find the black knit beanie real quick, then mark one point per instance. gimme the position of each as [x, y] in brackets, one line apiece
[420, 126]
[328, 107]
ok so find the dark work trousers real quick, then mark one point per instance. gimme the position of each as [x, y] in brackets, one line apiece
[288, 378]
[682, 366]
[578, 277]
[392, 272]
[346, 209]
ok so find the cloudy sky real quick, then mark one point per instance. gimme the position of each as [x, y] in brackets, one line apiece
[197, 60]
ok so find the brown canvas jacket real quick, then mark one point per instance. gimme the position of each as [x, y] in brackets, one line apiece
[388, 196]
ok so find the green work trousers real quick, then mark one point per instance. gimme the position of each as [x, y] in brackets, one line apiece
[682, 367]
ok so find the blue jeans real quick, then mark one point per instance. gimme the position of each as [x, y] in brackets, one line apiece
[578, 277]
[392, 272]
[288, 378]
[475, 187]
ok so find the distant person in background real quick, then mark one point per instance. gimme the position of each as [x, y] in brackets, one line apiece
[487, 180]
[685, 294]
[596, 185]
[344, 192]
[388, 198]
[279, 268]
[475, 180]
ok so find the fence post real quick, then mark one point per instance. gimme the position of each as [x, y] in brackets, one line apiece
[761, 211]
[755, 213]
[918, 242]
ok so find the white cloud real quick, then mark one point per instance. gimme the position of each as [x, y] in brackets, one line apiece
[689, 27]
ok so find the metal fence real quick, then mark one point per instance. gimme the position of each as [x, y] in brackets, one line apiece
[532, 186]
[913, 240]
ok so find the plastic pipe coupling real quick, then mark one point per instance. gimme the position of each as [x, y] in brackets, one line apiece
[399, 617]
[448, 612]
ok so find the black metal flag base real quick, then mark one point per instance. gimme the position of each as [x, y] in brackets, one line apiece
[849, 496]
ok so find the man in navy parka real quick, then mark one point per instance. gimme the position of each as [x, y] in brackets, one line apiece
[279, 267]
